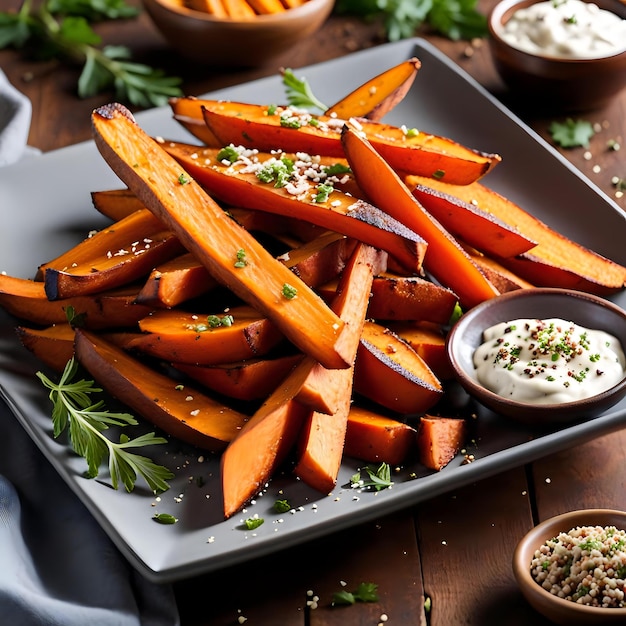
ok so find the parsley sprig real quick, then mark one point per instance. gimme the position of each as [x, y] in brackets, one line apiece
[62, 29]
[455, 19]
[299, 92]
[372, 478]
[74, 409]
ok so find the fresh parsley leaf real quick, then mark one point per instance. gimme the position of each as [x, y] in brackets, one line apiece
[572, 134]
[299, 92]
[61, 28]
[365, 592]
[164, 518]
[376, 478]
[73, 409]
[455, 19]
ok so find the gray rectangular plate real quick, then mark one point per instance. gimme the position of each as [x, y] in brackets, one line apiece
[47, 207]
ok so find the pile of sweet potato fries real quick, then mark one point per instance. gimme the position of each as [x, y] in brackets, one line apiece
[304, 267]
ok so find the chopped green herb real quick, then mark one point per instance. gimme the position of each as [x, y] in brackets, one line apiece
[183, 179]
[336, 169]
[228, 154]
[241, 258]
[289, 291]
[271, 109]
[365, 592]
[439, 174]
[253, 522]
[290, 121]
[278, 171]
[164, 518]
[74, 319]
[74, 408]
[323, 193]
[282, 506]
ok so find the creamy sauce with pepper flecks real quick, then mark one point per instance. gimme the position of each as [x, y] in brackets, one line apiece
[566, 28]
[548, 361]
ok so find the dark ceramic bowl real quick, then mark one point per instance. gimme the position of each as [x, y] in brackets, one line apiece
[556, 609]
[555, 83]
[581, 308]
[224, 42]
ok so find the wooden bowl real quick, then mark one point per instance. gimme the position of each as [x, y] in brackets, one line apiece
[581, 308]
[556, 83]
[559, 610]
[224, 42]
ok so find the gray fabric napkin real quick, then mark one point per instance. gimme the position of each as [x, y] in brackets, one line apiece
[57, 566]
[15, 112]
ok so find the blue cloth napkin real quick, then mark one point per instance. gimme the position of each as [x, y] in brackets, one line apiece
[57, 566]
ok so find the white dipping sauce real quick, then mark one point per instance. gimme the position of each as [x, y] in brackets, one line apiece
[548, 361]
[569, 29]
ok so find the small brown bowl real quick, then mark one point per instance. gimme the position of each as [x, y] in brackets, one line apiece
[225, 42]
[559, 610]
[559, 84]
[581, 308]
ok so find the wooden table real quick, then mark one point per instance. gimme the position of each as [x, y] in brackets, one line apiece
[454, 550]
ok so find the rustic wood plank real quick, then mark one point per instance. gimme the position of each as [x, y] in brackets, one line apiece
[466, 542]
[588, 476]
[277, 589]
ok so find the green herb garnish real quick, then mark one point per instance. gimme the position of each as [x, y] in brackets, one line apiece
[164, 518]
[572, 134]
[74, 408]
[241, 258]
[61, 29]
[374, 478]
[228, 154]
[253, 522]
[289, 291]
[365, 592]
[323, 193]
[282, 506]
[299, 92]
[455, 19]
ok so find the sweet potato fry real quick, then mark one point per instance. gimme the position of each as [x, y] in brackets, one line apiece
[235, 184]
[429, 341]
[556, 261]
[215, 239]
[379, 95]
[116, 203]
[389, 372]
[184, 413]
[187, 111]
[266, 7]
[464, 220]
[446, 260]
[397, 297]
[252, 379]
[321, 442]
[27, 301]
[499, 276]
[439, 440]
[176, 281]
[322, 391]
[113, 257]
[53, 345]
[376, 438]
[239, 9]
[184, 337]
[213, 7]
[268, 128]
[263, 443]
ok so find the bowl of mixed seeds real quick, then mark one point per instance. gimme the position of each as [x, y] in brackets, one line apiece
[572, 568]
